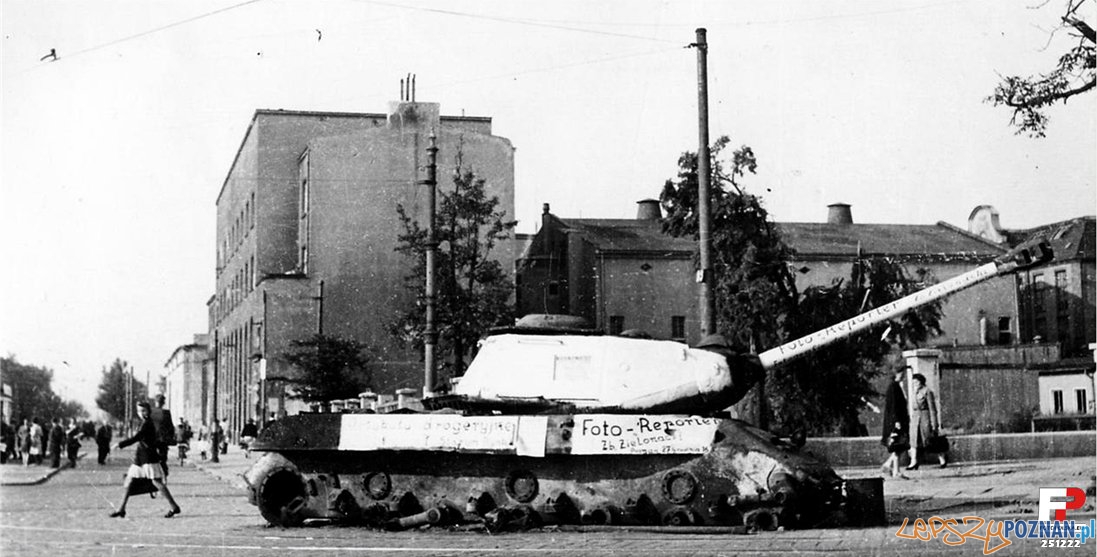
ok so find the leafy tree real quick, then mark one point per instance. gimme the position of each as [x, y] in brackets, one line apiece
[472, 289]
[758, 306]
[826, 390]
[112, 390]
[1074, 74]
[331, 368]
[751, 282]
[32, 392]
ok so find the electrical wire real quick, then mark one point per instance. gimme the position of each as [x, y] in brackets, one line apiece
[563, 66]
[66, 56]
[517, 21]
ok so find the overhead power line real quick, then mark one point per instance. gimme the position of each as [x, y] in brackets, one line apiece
[519, 21]
[65, 55]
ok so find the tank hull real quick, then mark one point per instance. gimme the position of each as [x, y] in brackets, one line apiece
[588, 470]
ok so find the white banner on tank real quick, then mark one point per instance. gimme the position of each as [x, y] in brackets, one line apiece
[523, 435]
[632, 434]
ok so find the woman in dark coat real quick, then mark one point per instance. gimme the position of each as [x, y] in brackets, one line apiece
[146, 463]
[895, 424]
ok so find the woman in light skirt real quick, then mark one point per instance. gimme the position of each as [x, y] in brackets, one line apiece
[146, 463]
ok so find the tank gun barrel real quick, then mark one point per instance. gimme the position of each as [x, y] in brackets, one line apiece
[1026, 255]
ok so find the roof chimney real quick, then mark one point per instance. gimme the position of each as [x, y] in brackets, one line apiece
[983, 221]
[839, 213]
[648, 209]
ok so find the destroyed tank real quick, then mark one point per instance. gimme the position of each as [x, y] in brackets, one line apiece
[557, 425]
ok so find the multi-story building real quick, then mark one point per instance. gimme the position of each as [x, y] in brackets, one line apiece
[306, 230]
[626, 274]
[1057, 314]
[618, 274]
[187, 380]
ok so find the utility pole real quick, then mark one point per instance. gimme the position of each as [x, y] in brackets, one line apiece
[215, 422]
[430, 333]
[127, 377]
[704, 223]
[320, 310]
[263, 366]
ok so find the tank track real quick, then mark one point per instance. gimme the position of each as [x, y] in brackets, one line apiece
[746, 479]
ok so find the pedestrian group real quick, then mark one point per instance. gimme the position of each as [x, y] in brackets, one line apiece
[913, 428]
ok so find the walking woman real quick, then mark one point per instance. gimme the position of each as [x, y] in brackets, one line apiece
[925, 422]
[23, 436]
[146, 463]
[893, 433]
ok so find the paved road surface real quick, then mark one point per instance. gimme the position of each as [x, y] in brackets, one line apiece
[67, 515]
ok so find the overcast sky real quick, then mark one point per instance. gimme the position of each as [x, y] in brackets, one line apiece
[113, 154]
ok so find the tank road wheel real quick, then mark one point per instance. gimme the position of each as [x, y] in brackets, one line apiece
[281, 498]
[679, 487]
[604, 514]
[522, 486]
[762, 519]
[680, 516]
[378, 485]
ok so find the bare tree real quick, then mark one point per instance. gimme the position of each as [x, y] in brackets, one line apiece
[1072, 75]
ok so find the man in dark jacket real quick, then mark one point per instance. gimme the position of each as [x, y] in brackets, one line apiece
[102, 440]
[72, 442]
[56, 441]
[165, 431]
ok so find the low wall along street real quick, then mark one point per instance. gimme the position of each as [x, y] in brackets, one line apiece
[867, 451]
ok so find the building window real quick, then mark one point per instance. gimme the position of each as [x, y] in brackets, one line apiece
[1056, 401]
[303, 175]
[1081, 401]
[678, 327]
[553, 288]
[1062, 310]
[1005, 333]
[616, 324]
[1060, 290]
[1039, 306]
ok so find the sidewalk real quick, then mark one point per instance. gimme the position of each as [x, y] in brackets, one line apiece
[1003, 487]
[14, 473]
[231, 467]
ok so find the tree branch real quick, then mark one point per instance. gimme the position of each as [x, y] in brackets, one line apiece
[1082, 28]
[1048, 98]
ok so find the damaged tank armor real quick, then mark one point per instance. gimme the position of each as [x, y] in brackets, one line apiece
[560, 425]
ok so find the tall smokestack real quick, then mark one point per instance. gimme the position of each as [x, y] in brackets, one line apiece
[648, 209]
[839, 213]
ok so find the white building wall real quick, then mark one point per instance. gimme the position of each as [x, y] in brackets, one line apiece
[1068, 384]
